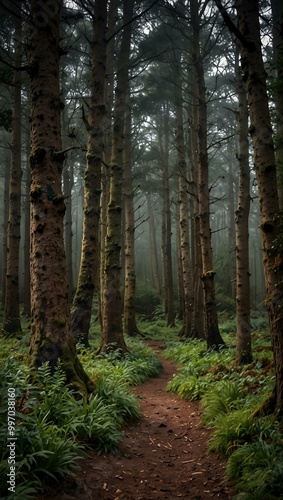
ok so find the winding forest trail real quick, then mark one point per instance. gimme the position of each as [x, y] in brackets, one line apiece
[163, 456]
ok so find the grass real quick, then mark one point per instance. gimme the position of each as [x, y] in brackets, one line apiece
[230, 396]
[55, 428]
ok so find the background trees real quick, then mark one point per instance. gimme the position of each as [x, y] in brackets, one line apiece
[168, 101]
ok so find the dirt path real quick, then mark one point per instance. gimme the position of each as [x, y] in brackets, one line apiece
[163, 456]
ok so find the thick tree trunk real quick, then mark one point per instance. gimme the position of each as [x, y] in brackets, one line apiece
[51, 336]
[89, 267]
[130, 324]
[11, 321]
[265, 166]
[213, 336]
[277, 18]
[244, 348]
[112, 335]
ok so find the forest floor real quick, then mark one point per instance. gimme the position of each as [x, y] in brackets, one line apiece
[163, 456]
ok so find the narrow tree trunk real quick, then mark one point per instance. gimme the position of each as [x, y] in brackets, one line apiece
[11, 321]
[179, 266]
[130, 324]
[198, 319]
[51, 336]
[166, 225]
[153, 247]
[5, 227]
[107, 139]
[231, 231]
[244, 348]
[68, 181]
[26, 302]
[89, 267]
[112, 335]
[184, 215]
[213, 336]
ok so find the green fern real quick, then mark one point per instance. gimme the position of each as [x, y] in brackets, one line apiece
[224, 398]
[231, 431]
[258, 469]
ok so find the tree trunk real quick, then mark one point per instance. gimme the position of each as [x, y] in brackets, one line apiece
[248, 36]
[244, 348]
[89, 267]
[265, 166]
[68, 180]
[11, 321]
[213, 336]
[112, 335]
[184, 215]
[5, 227]
[153, 247]
[107, 139]
[277, 18]
[198, 319]
[51, 336]
[130, 324]
[26, 305]
[231, 288]
[166, 224]
[181, 300]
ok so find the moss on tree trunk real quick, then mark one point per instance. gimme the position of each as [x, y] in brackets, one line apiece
[51, 336]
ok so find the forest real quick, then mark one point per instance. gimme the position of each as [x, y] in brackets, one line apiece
[141, 233]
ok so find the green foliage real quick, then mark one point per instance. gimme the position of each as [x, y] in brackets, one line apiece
[258, 469]
[189, 385]
[224, 398]
[54, 427]
[231, 430]
[230, 396]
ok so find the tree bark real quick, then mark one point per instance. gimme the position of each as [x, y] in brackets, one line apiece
[11, 321]
[166, 222]
[89, 267]
[153, 247]
[248, 36]
[5, 227]
[26, 301]
[112, 335]
[265, 166]
[277, 18]
[244, 347]
[182, 173]
[51, 336]
[130, 324]
[214, 339]
[107, 139]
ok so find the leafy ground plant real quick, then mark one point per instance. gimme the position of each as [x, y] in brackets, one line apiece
[55, 427]
[230, 396]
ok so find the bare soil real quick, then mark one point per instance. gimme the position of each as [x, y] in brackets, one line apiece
[163, 456]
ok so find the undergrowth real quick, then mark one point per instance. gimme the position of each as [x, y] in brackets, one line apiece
[230, 396]
[54, 429]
